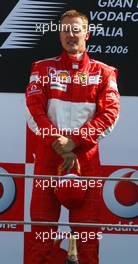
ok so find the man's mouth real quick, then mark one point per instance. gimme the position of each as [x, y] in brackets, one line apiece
[72, 42]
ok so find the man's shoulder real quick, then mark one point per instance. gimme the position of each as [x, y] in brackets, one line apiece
[47, 61]
[102, 66]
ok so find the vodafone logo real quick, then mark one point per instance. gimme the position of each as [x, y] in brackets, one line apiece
[121, 197]
[7, 191]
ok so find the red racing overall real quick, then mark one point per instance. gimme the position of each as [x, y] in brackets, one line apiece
[81, 97]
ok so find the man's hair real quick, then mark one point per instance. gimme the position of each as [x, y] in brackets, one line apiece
[75, 13]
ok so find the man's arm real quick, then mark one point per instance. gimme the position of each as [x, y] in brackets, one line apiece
[107, 114]
[36, 102]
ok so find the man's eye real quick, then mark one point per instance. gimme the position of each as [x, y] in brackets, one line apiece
[76, 30]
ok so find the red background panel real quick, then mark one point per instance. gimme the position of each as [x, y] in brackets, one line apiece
[16, 211]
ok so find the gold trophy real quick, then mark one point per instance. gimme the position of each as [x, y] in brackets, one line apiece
[72, 252]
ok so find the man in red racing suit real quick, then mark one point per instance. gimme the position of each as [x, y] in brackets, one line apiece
[72, 103]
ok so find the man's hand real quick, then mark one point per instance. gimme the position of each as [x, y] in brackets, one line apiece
[70, 160]
[63, 144]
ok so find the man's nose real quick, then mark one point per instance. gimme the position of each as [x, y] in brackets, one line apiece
[70, 33]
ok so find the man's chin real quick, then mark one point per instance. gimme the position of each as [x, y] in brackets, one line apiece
[73, 50]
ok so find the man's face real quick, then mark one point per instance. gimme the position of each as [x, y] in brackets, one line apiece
[73, 35]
